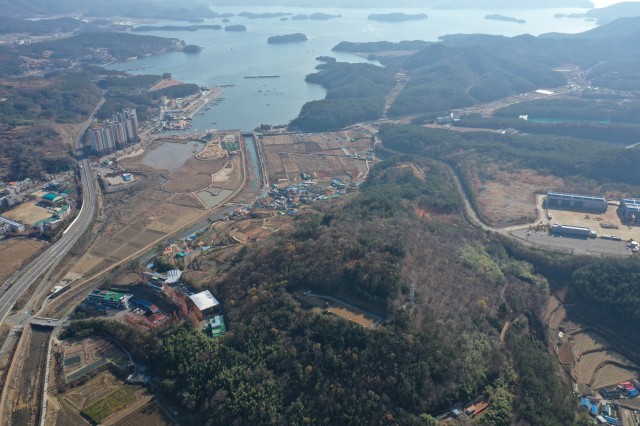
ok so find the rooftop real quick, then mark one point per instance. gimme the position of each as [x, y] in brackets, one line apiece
[575, 197]
[204, 300]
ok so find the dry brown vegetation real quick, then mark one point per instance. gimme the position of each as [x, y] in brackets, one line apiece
[507, 196]
[15, 253]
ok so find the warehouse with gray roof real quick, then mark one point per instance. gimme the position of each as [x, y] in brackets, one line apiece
[575, 202]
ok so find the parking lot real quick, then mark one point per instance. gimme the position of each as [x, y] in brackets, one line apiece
[597, 246]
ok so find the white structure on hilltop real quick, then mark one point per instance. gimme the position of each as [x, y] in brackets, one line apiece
[108, 136]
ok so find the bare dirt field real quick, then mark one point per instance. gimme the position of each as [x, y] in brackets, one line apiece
[595, 222]
[167, 82]
[194, 175]
[507, 197]
[149, 414]
[587, 342]
[26, 399]
[610, 375]
[352, 316]
[15, 253]
[92, 391]
[320, 155]
[67, 416]
[594, 369]
[28, 213]
[337, 308]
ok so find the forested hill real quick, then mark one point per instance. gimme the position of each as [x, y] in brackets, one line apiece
[399, 248]
[464, 70]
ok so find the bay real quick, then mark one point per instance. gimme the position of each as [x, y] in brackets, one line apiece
[228, 57]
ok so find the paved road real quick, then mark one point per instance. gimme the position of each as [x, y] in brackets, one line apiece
[12, 289]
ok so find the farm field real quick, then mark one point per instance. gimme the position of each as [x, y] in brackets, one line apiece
[83, 356]
[610, 375]
[147, 415]
[163, 202]
[586, 355]
[28, 213]
[15, 253]
[92, 391]
[115, 401]
[319, 155]
[587, 342]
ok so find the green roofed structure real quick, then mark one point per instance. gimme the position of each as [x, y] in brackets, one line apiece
[111, 299]
[52, 198]
[218, 328]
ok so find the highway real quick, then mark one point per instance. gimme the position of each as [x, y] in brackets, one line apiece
[12, 289]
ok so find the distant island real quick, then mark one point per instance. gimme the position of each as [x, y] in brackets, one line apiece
[397, 17]
[315, 17]
[264, 15]
[498, 17]
[288, 38]
[192, 48]
[569, 15]
[144, 28]
[235, 28]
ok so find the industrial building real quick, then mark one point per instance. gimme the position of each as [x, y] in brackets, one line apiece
[630, 209]
[577, 202]
[110, 299]
[108, 136]
[8, 225]
[204, 301]
[572, 231]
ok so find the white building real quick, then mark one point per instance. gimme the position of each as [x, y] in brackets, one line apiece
[204, 301]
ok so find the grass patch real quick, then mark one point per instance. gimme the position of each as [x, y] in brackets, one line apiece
[108, 405]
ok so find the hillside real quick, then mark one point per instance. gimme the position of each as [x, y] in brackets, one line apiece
[399, 248]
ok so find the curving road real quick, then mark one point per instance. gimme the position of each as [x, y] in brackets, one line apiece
[13, 288]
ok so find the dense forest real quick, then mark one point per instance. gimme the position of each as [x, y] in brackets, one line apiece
[62, 97]
[39, 27]
[355, 92]
[399, 248]
[558, 156]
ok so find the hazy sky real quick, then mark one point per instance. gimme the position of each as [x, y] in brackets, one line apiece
[603, 3]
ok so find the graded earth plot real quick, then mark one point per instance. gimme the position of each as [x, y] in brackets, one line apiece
[507, 197]
[316, 156]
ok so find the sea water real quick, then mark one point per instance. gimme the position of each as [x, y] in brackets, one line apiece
[230, 56]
